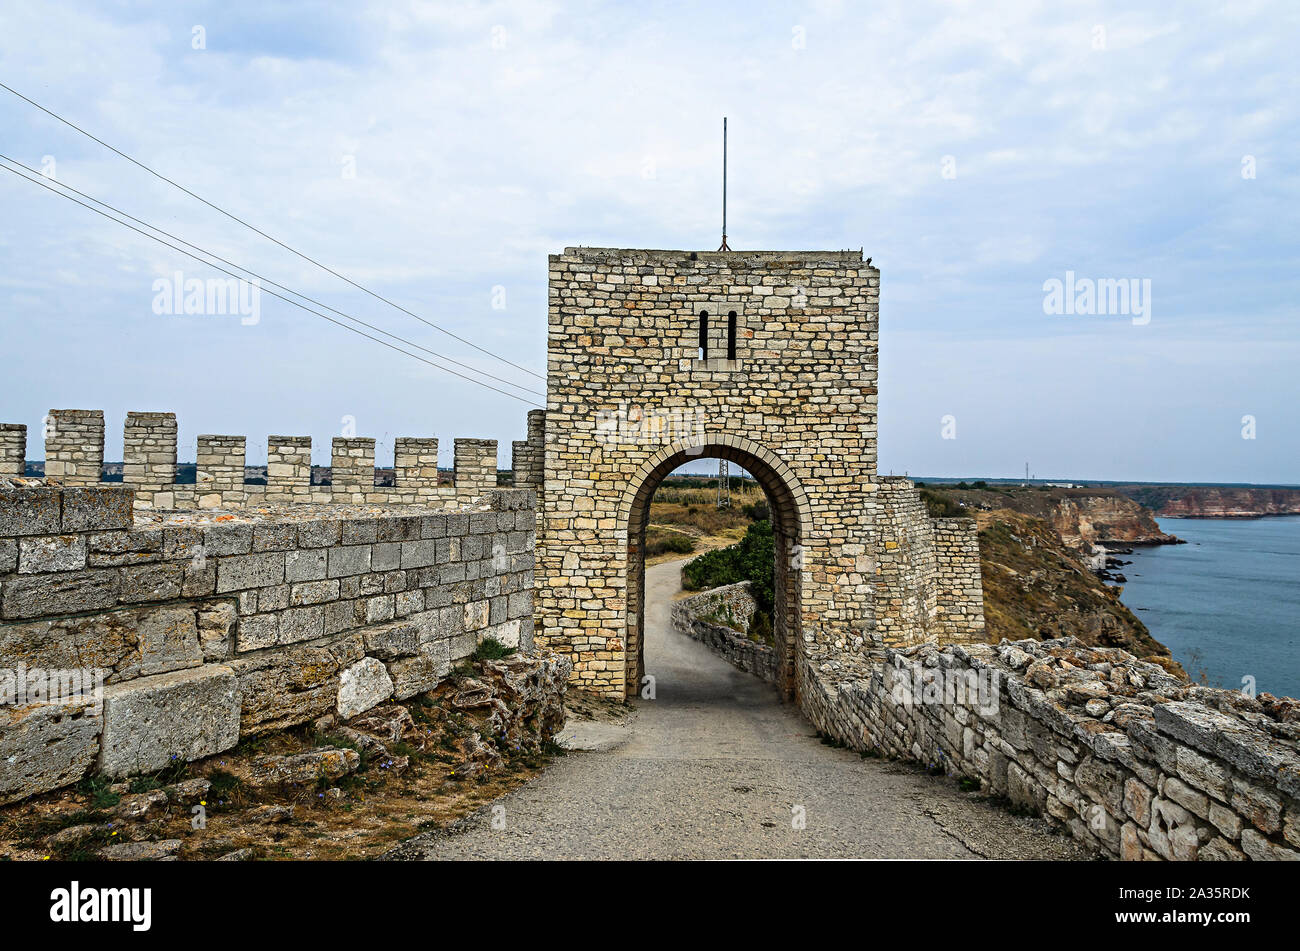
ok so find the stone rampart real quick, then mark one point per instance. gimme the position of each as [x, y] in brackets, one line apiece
[204, 627]
[702, 617]
[1125, 757]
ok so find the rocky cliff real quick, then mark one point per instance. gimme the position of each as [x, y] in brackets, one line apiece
[1215, 501]
[1086, 520]
[1081, 517]
[1035, 586]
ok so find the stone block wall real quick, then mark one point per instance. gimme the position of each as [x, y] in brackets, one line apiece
[958, 589]
[209, 626]
[13, 449]
[415, 463]
[149, 449]
[219, 473]
[529, 455]
[1118, 753]
[74, 446]
[905, 567]
[74, 454]
[475, 463]
[797, 407]
[694, 617]
[288, 469]
[928, 587]
[352, 469]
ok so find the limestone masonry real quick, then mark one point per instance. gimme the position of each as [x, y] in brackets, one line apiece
[224, 608]
[767, 359]
[212, 625]
[701, 617]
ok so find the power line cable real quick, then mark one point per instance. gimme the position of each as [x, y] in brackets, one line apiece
[268, 237]
[260, 277]
[287, 300]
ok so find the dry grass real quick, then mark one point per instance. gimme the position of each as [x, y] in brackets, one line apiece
[694, 512]
[357, 816]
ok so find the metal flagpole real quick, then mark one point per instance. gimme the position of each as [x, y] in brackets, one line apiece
[724, 246]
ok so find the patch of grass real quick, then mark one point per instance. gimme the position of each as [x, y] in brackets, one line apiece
[95, 788]
[662, 542]
[491, 649]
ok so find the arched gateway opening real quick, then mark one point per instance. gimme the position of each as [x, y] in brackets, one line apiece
[789, 508]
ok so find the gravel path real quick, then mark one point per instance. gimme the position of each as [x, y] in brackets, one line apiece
[716, 767]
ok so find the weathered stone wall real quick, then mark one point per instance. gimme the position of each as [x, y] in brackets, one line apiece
[906, 600]
[958, 588]
[693, 617]
[629, 391]
[149, 449]
[218, 475]
[529, 456]
[13, 449]
[74, 455]
[209, 626]
[1125, 757]
[74, 446]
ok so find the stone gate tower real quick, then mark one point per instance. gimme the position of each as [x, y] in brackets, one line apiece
[658, 357]
[767, 359]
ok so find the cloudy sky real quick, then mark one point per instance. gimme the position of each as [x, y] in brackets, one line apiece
[437, 153]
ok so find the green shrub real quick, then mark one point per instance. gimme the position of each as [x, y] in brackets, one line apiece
[661, 543]
[940, 505]
[752, 560]
[491, 649]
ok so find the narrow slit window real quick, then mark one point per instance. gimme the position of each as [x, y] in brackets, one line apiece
[731, 335]
[704, 335]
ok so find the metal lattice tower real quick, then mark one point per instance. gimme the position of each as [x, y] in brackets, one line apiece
[724, 484]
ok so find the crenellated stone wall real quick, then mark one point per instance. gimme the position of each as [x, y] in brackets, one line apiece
[959, 589]
[529, 455]
[906, 571]
[207, 626]
[74, 455]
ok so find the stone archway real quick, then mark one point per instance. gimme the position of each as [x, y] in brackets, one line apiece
[638, 374]
[790, 512]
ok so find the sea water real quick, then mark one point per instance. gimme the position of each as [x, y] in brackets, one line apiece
[1227, 603]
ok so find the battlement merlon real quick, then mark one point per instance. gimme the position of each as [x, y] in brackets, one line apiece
[149, 449]
[74, 456]
[74, 446]
[13, 449]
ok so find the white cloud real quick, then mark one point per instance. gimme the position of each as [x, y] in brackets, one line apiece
[474, 159]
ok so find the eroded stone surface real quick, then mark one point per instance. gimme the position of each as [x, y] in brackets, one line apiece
[364, 685]
[185, 714]
[44, 747]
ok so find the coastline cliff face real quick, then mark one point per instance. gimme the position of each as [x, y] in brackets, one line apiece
[1039, 567]
[1085, 521]
[1082, 518]
[1036, 586]
[1216, 501]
